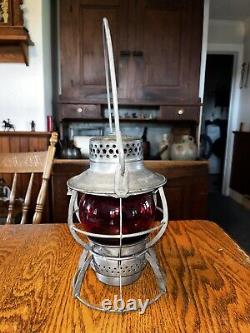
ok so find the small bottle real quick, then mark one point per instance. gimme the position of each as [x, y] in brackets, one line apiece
[146, 144]
[49, 124]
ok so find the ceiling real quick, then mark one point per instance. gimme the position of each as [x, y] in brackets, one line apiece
[237, 10]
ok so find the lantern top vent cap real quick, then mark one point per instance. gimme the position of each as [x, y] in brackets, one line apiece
[105, 149]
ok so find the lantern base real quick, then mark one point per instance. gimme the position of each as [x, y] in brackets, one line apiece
[115, 282]
[87, 260]
[111, 271]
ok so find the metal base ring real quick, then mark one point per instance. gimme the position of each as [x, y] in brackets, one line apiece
[86, 261]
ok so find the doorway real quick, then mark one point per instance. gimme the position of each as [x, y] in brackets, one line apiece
[216, 105]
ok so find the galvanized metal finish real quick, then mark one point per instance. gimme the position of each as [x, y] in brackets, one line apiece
[105, 149]
[109, 271]
[116, 170]
[102, 179]
[86, 261]
[116, 265]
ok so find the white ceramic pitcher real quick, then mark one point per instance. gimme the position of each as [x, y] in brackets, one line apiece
[185, 149]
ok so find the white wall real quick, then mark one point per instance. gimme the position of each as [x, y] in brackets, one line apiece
[244, 114]
[47, 54]
[23, 90]
[226, 32]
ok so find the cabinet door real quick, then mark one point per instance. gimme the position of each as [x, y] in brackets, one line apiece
[82, 59]
[167, 50]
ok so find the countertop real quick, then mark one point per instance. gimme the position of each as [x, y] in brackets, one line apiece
[168, 163]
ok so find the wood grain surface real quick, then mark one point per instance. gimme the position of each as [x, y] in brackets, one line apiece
[208, 278]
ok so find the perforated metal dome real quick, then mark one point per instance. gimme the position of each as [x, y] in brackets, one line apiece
[103, 178]
[106, 149]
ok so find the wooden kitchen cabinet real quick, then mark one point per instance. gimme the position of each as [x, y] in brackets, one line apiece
[14, 37]
[81, 46]
[180, 113]
[79, 111]
[167, 50]
[157, 48]
[186, 189]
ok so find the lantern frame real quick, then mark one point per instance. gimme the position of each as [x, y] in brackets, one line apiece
[89, 253]
[140, 251]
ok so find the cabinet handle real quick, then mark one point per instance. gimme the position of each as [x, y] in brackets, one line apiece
[79, 110]
[180, 112]
[137, 53]
[125, 53]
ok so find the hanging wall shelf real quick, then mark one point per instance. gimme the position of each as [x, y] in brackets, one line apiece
[14, 37]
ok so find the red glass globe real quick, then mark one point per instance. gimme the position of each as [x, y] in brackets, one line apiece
[99, 214]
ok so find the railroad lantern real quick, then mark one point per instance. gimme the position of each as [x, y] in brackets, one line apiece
[116, 204]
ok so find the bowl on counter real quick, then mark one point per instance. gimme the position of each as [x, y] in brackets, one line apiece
[82, 142]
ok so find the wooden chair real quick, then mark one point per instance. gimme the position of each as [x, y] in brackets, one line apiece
[32, 163]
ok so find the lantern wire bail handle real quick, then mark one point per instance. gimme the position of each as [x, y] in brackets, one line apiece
[90, 254]
[121, 178]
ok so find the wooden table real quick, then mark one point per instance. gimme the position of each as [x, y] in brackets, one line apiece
[208, 283]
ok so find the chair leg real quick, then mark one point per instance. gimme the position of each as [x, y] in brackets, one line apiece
[40, 202]
[27, 200]
[12, 200]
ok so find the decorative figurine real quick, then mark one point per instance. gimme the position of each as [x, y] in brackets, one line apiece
[32, 126]
[7, 126]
